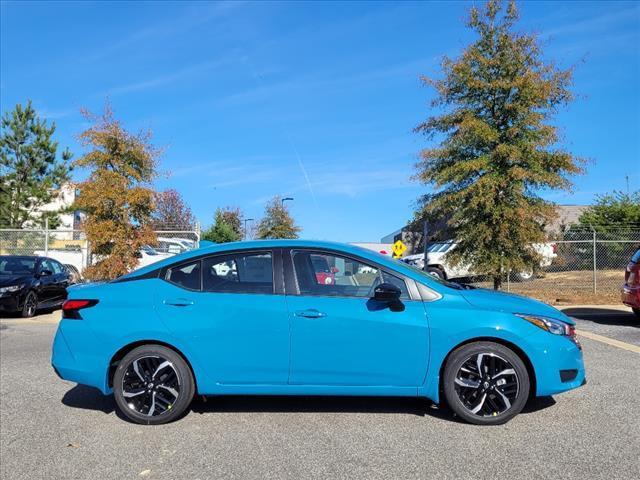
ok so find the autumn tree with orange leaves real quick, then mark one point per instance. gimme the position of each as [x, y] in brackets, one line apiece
[116, 198]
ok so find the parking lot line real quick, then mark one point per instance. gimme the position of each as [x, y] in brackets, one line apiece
[609, 341]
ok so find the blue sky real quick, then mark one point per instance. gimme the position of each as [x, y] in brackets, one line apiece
[311, 100]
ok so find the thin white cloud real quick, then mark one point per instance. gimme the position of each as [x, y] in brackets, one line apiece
[165, 79]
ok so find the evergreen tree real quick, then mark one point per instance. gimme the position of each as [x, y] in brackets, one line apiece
[116, 197]
[226, 228]
[613, 211]
[30, 174]
[277, 222]
[497, 148]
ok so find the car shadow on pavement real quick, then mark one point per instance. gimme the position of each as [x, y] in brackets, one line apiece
[308, 404]
[604, 316]
[88, 398]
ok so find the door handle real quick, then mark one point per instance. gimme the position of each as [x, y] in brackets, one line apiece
[310, 313]
[178, 302]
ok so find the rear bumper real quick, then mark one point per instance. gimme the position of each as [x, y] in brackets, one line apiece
[82, 366]
[630, 295]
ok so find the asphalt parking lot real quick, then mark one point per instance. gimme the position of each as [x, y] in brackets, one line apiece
[54, 429]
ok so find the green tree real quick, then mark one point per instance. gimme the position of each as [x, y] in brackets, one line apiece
[30, 174]
[227, 226]
[612, 211]
[497, 148]
[277, 222]
[117, 197]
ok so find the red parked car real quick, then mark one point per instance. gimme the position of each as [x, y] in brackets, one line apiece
[631, 287]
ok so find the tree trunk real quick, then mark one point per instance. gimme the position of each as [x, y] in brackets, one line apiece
[497, 282]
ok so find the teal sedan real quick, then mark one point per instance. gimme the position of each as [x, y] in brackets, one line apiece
[260, 318]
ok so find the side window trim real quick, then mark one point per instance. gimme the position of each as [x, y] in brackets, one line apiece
[291, 279]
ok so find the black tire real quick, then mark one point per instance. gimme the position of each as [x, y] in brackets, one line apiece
[149, 393]
[525, 276]
[30, 305]
[495, 400]
[436, 272]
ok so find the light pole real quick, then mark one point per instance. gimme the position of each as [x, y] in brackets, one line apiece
[245, 226]
[282, 200]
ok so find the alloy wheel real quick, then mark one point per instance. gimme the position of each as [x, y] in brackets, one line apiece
[30, 305]
[151, 385]
[487, 384]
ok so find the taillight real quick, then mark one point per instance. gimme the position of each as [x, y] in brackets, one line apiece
[554, 247]
[71, 308]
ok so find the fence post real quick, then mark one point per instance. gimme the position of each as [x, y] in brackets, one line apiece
[46, 237]
[595, 277]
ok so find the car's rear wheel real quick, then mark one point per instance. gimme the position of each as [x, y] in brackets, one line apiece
[153, 385]
[486, 383]
[30, 305]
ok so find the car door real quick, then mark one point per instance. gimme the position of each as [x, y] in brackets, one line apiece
[340, 336]
[60, 281]
[230, 311]
[46, 278]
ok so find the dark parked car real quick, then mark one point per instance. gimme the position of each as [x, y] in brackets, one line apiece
[631, 287]
[28, 283]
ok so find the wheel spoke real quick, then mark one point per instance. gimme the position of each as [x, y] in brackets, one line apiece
[137, 370]
[133, 394]
[479, 363]
[467, 382]
[152, 408]
[171, 390]
[477, 408]
[164, 364]
[506, 371]
[506, 401]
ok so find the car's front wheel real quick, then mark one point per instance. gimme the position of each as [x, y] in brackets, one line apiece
[153, 385]
[486, 383]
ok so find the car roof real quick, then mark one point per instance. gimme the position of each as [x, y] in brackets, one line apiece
[24, 257]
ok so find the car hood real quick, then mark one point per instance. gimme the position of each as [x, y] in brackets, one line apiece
[8, 280]
[512, 303]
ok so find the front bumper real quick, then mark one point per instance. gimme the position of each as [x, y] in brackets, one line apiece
[559, 368]
[11, 302]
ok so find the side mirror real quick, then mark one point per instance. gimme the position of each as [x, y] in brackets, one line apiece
[386, 292]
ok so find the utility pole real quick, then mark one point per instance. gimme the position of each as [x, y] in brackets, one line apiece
[245, 226]
[425, 241]
[626, 177]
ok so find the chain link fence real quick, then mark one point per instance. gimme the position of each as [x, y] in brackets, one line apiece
[580, 265]
[71, 247]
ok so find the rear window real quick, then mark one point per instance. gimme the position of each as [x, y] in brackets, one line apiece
[636, 257]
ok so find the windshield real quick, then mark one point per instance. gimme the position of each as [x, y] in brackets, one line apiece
[440, 247]
[15, 266]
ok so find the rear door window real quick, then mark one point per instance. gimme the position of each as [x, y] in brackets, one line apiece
[239, 273]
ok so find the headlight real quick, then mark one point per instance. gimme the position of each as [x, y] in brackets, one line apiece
[12, 288]
[551, 325]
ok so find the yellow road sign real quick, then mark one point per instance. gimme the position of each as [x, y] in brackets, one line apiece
[398, 249]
